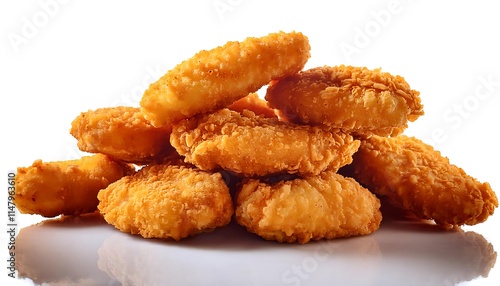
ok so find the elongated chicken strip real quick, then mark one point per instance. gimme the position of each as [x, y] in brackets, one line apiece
[215, 78]
[251, 146]
[415, 177]
[66, 187]
[356, 99]
[325, 206]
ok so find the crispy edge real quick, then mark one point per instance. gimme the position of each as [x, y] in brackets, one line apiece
[213, 79]
[416, 177]
[326, 206]
[251, 146]
[66, 187]
[255, 104]
[169, 200]
[123, 133]
[356, 99]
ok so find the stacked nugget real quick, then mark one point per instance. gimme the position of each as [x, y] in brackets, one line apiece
[413, 176]
[166, 198]
[375, 107]
[203, 118]
[217, 124]
[316, 202]
[176, 200]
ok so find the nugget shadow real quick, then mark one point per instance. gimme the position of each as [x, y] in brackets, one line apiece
[231, 237]
[81, 221]
[428, 254]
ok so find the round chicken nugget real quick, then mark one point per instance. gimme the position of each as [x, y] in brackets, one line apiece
[122, 133]
[415, 177]
[66, 187]
[250, 145]
[216, 78]
[325, 206]
[167, 200]
[355, 99]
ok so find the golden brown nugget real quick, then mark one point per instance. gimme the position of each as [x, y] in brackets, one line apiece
[214, 79]
[326, 206]
[355, 99]
[122, 133]
[415, 177]
[255, 104]
[66, 187]
[168, 200]
[250, 145]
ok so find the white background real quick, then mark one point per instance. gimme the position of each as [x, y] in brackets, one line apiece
[59, 58]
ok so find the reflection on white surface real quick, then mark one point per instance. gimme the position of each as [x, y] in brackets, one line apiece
[87, 251]
[220, 258]
[62, 252]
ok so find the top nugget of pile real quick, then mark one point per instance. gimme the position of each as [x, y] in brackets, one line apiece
[215, 78]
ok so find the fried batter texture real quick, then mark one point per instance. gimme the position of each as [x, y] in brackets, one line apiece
[251, 146]
[122, 133]
[355, 99]
[255, 104]
[326, 206]
[415, 177]
[168, 200]
[66, 187]
[215, 78]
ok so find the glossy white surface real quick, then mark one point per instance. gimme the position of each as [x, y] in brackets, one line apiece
[89, 54]
[87, 251]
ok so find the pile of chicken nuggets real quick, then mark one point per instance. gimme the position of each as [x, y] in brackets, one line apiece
[311, 161]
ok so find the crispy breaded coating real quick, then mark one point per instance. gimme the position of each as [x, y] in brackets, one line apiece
[325, 206]
[122, 133]
[250, 145]
[214, 79]
[66, 242]
[255, 104]
[355, 99]
[415, 177]
[168, 200]
[66, 187]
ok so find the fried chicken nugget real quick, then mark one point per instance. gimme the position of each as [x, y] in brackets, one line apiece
[255, 104]
[167, 200]
[216, 78]
[250, 145]
[415, 177]
[66, 187]
[325, 206]
[355, 99]
[122, 133]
